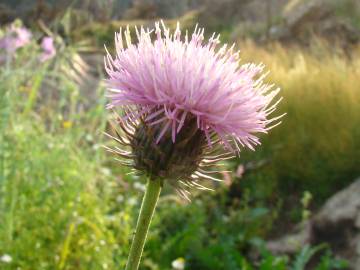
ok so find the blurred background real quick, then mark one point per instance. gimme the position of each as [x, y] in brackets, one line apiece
[65, 203]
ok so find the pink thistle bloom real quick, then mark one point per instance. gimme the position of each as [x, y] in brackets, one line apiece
[180, 96]
[15, 38]
[172, 78]
[49, 51]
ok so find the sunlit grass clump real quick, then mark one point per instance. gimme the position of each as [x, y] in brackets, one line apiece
[318, 145]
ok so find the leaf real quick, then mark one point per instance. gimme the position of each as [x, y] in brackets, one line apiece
[305, 255]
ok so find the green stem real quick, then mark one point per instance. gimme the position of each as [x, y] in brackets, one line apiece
[142, 227]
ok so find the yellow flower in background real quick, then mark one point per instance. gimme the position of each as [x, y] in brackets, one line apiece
[67, 124]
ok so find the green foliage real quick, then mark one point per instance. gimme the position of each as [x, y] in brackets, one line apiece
[48, 202]
[209, 241]
[101, 34]
[57, 197]
[300, 261]
[304, 256]
[207, 236]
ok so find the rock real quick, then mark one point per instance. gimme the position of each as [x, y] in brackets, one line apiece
[300, 14]
[343, 206]
[216, 14]
[320, 17]
[291, 243]
[337, 223]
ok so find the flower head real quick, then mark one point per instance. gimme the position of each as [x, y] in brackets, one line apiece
[48, 49]
[179, 90]
[15, 38]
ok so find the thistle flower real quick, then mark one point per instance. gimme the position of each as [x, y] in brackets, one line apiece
[15, 38]
[48, 49]
[182, 100]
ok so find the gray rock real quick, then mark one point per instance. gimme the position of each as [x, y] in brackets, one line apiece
[322, 17]
[337, 223]
[292, 243]
[343, 206]
[301, 14]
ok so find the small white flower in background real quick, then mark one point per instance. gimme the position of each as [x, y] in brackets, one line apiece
[178, 264]
[120, 198]
[106, 171]
[139, 186]
[132, 201]
[111, 218]
[96, 146]
[6, 258]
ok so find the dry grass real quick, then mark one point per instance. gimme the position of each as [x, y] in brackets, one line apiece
[318, 144]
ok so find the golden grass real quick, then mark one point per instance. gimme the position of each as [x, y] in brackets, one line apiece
[318, 143]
